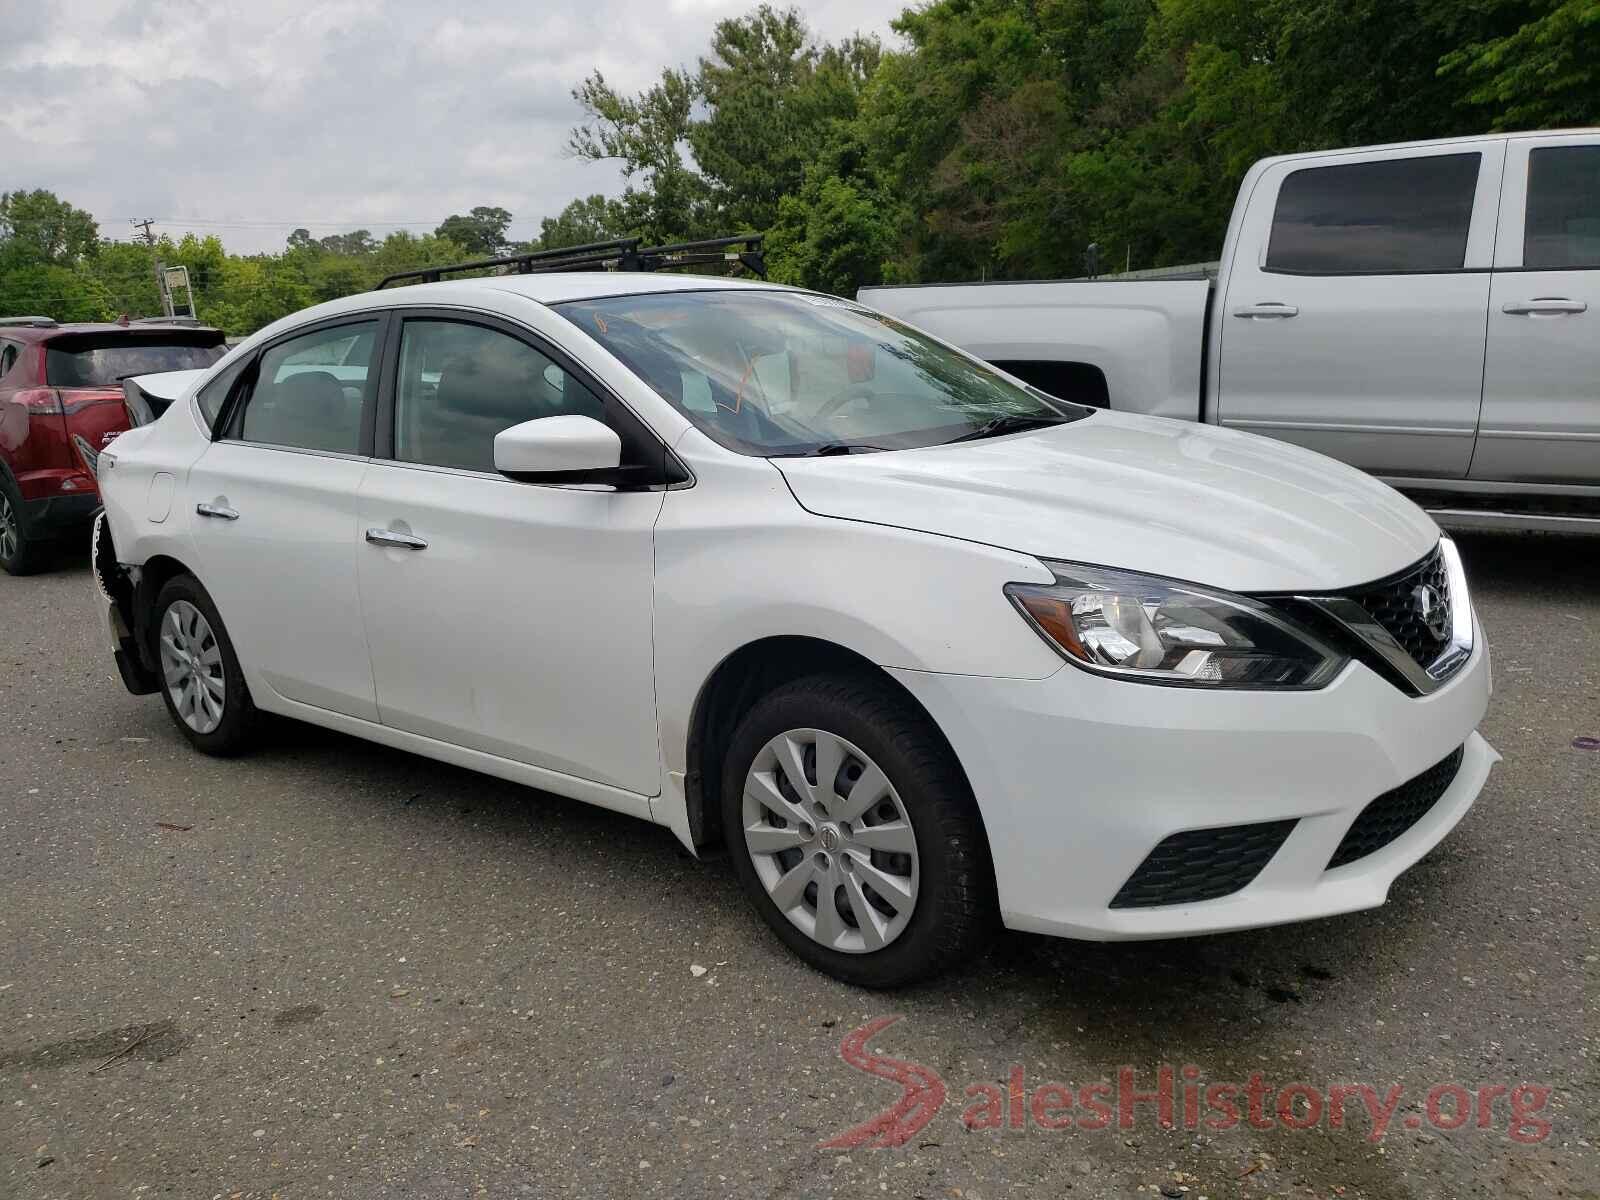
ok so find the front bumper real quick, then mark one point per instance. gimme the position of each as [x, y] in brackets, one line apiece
[1079, 778]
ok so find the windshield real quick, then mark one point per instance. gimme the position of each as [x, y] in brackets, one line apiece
[789, 373]
[81, 362]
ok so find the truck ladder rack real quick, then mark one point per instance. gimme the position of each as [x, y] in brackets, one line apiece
[619, 254]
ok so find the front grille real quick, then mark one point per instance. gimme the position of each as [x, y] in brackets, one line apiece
[1202, 864]
[1396, 604]
[1396, 811]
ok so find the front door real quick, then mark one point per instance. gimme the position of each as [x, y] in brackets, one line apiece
[275, 517]
[1353, 320]
[1541, 387]
[505, 617]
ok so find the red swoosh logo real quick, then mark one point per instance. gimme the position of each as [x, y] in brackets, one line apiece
[923, 1093]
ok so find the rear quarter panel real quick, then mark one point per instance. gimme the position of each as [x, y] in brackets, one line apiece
[144, 492]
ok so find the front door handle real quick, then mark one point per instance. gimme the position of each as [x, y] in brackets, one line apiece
[221, 511]
[1268, 309]
[393, 537]
[1554, 306]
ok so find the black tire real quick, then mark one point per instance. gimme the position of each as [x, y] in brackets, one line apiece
[19, 554]
[955, 906]
[236, 729]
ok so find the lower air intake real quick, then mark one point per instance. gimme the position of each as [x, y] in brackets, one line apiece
[1202, 864]
[1396, 811]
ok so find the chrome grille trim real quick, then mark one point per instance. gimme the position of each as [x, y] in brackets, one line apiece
[1424, 678]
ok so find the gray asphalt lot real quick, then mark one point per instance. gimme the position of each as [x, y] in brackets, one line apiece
[330, 969]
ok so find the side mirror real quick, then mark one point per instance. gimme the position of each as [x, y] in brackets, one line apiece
[569, 449]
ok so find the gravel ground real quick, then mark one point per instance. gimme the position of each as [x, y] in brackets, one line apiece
[332, 969]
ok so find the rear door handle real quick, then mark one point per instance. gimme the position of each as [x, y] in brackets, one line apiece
[1555, 306]
[1270, 308]
[221, 511]
[393, 537]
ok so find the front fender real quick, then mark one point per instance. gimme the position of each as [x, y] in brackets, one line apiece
[729, 574]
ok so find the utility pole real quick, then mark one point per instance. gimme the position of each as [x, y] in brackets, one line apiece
[161, 274]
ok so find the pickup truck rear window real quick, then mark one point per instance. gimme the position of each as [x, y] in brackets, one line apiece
[93, 360]
[1563, 221]
[1395, 215]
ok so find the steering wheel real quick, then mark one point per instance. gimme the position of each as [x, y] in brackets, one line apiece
[856, 391]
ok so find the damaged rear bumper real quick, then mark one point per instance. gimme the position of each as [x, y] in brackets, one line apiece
[111, 579]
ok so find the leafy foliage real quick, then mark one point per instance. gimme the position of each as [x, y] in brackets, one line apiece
[999, 141]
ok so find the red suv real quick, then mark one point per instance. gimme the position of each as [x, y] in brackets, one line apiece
[61, 402]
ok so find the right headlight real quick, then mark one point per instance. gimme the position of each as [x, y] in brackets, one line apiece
[1154, 630]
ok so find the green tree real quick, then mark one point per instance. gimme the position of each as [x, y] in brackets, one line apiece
[587, 219]
[39, 227]
[1543, 74]
[481, 232]
[644, 135]
[771, 97]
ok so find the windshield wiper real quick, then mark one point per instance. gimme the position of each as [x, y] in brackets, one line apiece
[829, 449]
[1008, 423]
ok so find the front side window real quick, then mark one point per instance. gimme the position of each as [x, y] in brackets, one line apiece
[309, 390]
[1399, 214]
[461, 384]
[1563, 217]
[774, 373]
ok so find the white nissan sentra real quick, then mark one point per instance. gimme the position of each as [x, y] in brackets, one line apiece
[922, 646]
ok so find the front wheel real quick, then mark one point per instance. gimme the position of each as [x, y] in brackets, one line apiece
[853, 831]
[201, 683]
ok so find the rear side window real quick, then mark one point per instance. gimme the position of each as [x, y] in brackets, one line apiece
[1563, 217]
[309, 390]
[1401, 214]
[8, 356]
[102, 361]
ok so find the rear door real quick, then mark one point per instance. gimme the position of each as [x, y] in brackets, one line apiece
[1354, 318]
[273, 509]
[1541, 390]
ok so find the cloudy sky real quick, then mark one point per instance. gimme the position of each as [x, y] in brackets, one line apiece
[247, 118]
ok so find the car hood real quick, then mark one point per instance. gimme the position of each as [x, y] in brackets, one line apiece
[1188, 501]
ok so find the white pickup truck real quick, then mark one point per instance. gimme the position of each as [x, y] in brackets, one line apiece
[1429, 312]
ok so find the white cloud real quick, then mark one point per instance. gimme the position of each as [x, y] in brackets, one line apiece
[248, 117]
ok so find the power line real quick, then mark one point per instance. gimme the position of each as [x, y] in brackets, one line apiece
[265, 223]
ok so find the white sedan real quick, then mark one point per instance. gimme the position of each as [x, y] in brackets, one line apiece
[925, 648]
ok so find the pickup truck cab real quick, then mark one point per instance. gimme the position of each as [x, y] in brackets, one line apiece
[1427, 312]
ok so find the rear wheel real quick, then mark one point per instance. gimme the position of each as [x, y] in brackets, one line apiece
[853, 832]
[201, 683]
[18, 554]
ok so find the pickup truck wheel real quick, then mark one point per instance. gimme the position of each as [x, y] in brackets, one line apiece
[853, 832]
[18, 554]
[201, 683]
